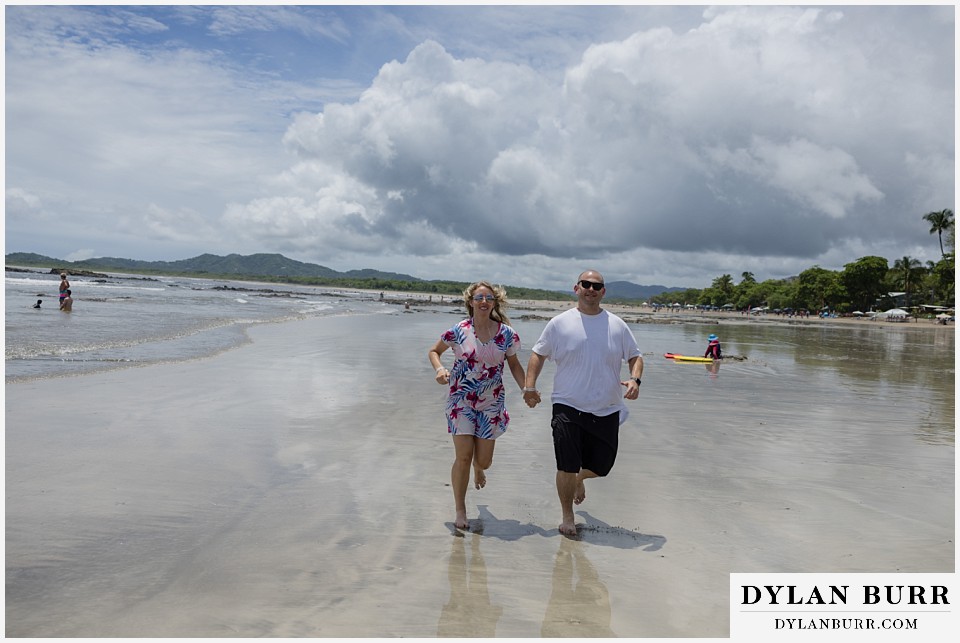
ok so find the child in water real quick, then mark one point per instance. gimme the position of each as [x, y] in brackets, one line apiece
[713, 347]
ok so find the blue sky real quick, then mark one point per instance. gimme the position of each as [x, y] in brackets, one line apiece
[659, 144]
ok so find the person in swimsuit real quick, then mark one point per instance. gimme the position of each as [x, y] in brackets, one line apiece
[476, 406]
[66, 302]
[64, 286]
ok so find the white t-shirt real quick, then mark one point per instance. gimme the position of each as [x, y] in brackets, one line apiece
[589, 351]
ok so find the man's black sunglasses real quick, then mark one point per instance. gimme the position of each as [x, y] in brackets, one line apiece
[591, 284]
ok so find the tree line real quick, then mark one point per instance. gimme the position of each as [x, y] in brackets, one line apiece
[864, 284]
[438, 287]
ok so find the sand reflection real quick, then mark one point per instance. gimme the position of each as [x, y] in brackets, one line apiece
[469, 611]
[579, 602]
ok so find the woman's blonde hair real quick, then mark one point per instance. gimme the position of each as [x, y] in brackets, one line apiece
[499, 304]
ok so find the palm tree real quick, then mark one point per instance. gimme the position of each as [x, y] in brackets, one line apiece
[930, 280]
[940, 222]
[724, 284]
[905, 269]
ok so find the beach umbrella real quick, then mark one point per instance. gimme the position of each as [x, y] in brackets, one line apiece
[857, 313]
[943, 316]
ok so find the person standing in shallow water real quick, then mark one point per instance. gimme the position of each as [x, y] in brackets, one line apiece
[476, 407]
[64, 287]
[66, 302]
[588, 345]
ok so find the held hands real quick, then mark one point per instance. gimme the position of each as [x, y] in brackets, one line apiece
[531, 397]
[633, 389]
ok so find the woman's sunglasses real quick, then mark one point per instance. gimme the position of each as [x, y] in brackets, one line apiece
[484, 297]
[591, 284]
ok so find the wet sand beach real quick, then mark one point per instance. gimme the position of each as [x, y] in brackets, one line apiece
[298, 486]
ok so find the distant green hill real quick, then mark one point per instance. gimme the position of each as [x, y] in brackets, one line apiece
[256, 265]
[270, 268]
[277, 268]
[630, 290]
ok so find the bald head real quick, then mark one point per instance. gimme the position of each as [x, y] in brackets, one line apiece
[591, 275]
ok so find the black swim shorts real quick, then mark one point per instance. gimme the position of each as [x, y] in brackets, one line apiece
[584, 440]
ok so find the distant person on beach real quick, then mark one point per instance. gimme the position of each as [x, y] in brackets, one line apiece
[37, 305]
[713, 347]
[66, 303]
[64, 287]
[476, 406]
[588, 345]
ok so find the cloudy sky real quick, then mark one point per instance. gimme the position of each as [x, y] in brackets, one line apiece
[662, 145]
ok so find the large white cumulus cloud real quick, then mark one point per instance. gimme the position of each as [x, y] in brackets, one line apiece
[746, 126]
[409, 158]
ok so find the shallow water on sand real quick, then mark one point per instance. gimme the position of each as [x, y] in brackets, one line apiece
[126, 320]
[881, 374]
[299, 486]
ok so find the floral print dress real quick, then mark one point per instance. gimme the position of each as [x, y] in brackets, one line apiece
[477, 402]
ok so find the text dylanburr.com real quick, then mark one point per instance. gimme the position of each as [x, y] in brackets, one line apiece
[844, 607]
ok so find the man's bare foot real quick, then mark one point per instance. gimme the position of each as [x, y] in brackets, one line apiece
[461, 522]
[581, 493]
[479, 478]
[568, 528]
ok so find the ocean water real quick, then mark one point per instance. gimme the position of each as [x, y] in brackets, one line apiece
[122, 320]
[829, 447]
[875, 372]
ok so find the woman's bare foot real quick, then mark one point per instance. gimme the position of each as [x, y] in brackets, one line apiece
[461, 522]
[479, 478]
[581, 493]
[568, 528]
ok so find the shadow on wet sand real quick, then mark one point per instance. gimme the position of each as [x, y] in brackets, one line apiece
[594, 531]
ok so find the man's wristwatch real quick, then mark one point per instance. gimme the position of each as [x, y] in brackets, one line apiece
[637, 380]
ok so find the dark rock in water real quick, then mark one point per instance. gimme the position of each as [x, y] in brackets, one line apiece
[73, 272]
